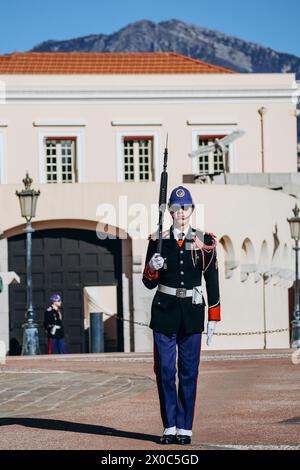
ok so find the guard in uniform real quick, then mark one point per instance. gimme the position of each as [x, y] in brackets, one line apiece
[53, 325]
[178, 312]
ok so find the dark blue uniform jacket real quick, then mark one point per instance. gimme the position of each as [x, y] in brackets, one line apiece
[183, 268]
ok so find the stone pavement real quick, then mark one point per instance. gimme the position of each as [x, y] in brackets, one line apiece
[246, 400]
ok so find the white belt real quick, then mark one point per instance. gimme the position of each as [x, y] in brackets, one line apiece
[179, 291]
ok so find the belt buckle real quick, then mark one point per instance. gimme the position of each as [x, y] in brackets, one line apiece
[181, 292]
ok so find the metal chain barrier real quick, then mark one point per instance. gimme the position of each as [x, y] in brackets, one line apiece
[239, 333]
[236, 333]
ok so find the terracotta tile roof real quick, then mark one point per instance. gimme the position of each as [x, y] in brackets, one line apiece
[103, 63]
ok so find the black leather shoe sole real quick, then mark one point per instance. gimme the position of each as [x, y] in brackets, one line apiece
[168, 439]
[183, 440]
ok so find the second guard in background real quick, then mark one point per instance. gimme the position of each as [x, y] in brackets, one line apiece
[53, 324]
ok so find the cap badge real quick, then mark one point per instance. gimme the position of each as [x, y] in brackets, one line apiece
[180, 192]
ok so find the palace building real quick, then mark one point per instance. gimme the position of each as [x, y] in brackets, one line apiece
[90, 129]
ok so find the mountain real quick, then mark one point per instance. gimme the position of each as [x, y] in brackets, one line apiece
[191, 40]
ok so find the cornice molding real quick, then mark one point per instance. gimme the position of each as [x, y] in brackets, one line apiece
[282, 94]
[218, 121]
[59, 123]
[137, 122]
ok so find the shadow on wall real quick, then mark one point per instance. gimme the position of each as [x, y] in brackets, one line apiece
[15, 348]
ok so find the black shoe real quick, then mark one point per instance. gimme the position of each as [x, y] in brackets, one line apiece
[182, 439]
[168, 439]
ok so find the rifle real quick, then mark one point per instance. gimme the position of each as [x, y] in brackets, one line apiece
[162, 197]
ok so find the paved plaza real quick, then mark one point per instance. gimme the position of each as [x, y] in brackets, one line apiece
[246, 400]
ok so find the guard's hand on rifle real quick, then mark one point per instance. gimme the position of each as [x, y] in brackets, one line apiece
[156, 262]
[211, 325]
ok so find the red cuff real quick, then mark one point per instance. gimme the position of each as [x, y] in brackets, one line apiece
[148, 274]
[214, 313]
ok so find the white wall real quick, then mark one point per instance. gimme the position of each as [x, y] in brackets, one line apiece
[101, 108]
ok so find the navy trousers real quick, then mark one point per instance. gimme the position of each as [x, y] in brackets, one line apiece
[177, 409]
[56, 346]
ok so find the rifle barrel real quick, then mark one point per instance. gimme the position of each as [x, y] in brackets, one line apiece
[162, 197]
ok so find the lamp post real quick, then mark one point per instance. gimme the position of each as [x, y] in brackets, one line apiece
[295, 234]
[28, 200]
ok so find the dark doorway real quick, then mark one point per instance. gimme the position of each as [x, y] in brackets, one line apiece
[63, 261]
[291, 292]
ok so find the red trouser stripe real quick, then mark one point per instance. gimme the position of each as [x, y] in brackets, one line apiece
[196, 384]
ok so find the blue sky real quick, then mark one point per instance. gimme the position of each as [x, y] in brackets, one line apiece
[25, 23]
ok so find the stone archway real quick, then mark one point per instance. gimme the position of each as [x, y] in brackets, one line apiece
[68, 255]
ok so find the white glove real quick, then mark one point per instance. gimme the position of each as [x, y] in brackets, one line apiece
[53, 329]
[156, 262]
[211, 325]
